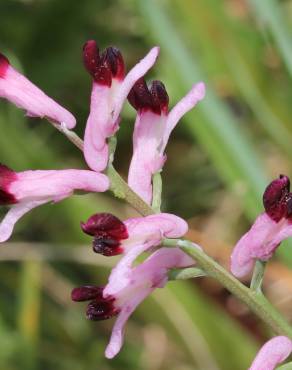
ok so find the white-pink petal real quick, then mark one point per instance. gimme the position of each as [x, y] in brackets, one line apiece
[196, 94]
[139, 282]
[34, 188]
[24, 94]
[14, 214]
[259, 242]
[272, 353]
[138, 71]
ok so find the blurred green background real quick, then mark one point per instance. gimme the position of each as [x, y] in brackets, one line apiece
[220, 159]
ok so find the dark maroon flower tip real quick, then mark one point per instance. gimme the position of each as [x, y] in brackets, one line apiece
[101, 309]
[86, 293]
[114, 60]
[4, 64]
[7, 176]
[108, 231]
[103, 67]
[159, 96]
[143, 99]
[91, 56]
[277, 198]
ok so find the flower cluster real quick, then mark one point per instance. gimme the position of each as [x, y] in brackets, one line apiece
[128, 284]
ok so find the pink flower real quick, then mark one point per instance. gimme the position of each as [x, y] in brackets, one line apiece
[268, 230]
[128, 286]
[112, 236]
[24, 94]
[109, 91]
[275, 351]
[153, 127]
[29, 189]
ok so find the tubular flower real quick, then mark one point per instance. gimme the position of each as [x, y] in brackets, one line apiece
[128, 286]
[269, 229]
[24, 94]
[275, 351]
[29, 189]
[109, 91]
[135, 235]
[153, 127]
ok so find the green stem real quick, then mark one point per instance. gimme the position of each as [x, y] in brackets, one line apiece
[157, 190]
[121, 190]
[254, 300]
[257, 276]
[186, 273]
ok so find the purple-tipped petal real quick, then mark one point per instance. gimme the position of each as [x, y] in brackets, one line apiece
[259, 242]
[139, 282]
[153, 126]
[274, 352]
[33, 188]
[24, 94]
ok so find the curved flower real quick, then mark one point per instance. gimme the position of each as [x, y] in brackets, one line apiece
[24, 94]
[153, 127]
[275, 351]
[109, 91]
[127, 287]
[134, 235]
[29, 189]
[269, 229]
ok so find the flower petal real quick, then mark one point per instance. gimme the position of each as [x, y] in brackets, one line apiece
[56, 184]
[24, 94]
[14, 214]
[147, 159]
[258, 243]
[275, 351]
[133, 75]
[188, 102]
[96, 132]
[117, 337]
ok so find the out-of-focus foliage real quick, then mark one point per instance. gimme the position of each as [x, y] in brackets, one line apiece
[219, 161]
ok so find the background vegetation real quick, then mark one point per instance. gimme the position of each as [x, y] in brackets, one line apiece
[219, 160]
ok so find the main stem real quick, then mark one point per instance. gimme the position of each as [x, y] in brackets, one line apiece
[254, 299]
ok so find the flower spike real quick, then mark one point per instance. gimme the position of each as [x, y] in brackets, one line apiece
[29, 189]
[127, 288]
[274, 352]
[153, 127]
[269, 229]
[112, 236]
[109, 91]
[24, 94]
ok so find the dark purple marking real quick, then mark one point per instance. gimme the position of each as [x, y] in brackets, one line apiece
[108, 231]
[154, 99]
[99, 308]
[4, 64]
[105, 66]
[277, 199]
[7, 176]
[86, 293]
